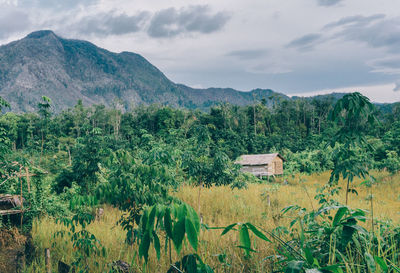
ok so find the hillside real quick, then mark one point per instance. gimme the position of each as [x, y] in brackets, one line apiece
[68, 70]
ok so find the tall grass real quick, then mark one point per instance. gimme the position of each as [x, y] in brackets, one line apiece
[259, 204]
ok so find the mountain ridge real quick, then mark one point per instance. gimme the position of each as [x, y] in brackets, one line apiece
[68, 70]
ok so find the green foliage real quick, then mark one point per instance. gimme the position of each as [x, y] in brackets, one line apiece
[133, 160]
[127, 182]
[88, 152]
[4, 140]
[131, 186]
[308, 161]
[44, 107]
[244, 236]
[207, 169]
[3, 103]
[322, 240]
[176, 221]
[84, 242]
[191, 263]
[354, 114]
[392, 162]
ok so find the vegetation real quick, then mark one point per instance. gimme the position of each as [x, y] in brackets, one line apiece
[145, 165]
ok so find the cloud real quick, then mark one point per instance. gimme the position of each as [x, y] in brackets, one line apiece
[172, 22]
[305, 42]
[72, 18]
[111, 23]
[358, 20]
[328, 3]
[389, 65]
[271, 68]
[247, 54]
[12, 22]
[51, 4]
[397, 87]
[376, 31]
[383, 33]
[9, 2]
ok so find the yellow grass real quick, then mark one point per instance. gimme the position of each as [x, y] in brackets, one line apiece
[221, 206]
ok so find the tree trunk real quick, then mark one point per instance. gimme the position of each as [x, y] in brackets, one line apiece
[198, 197]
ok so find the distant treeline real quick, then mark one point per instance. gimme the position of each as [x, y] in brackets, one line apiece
[298, 129]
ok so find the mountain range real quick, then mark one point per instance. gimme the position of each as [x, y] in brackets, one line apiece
[67, 70]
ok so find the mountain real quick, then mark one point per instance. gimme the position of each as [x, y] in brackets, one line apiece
[66, 70]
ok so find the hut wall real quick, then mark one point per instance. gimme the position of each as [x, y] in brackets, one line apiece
[277, 165]
[256, 170]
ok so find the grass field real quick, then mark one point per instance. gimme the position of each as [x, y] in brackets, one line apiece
[259, 204]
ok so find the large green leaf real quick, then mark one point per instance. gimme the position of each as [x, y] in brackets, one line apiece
[156, 244]
[339, 215]
[151, 219]
[144, 246]
[168, 223]
[181, 212]
[228, 228]
[382, 264]
[191, 233]
[309, 256]
[257, 232]
[178, 234]
[189, 264]
[194, 218]
[144, 220]
[245, 239]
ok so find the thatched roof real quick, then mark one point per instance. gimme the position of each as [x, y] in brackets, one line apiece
[260, 159]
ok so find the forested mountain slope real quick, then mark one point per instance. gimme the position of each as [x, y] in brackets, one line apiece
[67, 70]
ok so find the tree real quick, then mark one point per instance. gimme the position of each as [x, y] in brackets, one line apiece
[196, 162]
[208, 169]
[353, 114]
[88, 152]
[3, 103]
[44, 112]
[68, 143]
[392, 162]
[131, 186]
[4, 140]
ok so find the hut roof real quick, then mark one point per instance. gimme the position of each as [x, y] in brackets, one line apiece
[10, 201]
[260, 159]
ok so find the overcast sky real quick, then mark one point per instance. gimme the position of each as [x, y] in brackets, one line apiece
[293, 46]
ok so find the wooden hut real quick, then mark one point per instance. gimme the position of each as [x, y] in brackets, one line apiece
[10, 204]
[262, 164]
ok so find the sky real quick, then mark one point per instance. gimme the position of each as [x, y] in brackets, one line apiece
[296, 47]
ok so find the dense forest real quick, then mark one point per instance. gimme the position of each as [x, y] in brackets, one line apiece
[298, 129]
[86, 156]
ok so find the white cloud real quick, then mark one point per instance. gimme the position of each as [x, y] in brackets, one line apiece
[288, 46]
[396, 87]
